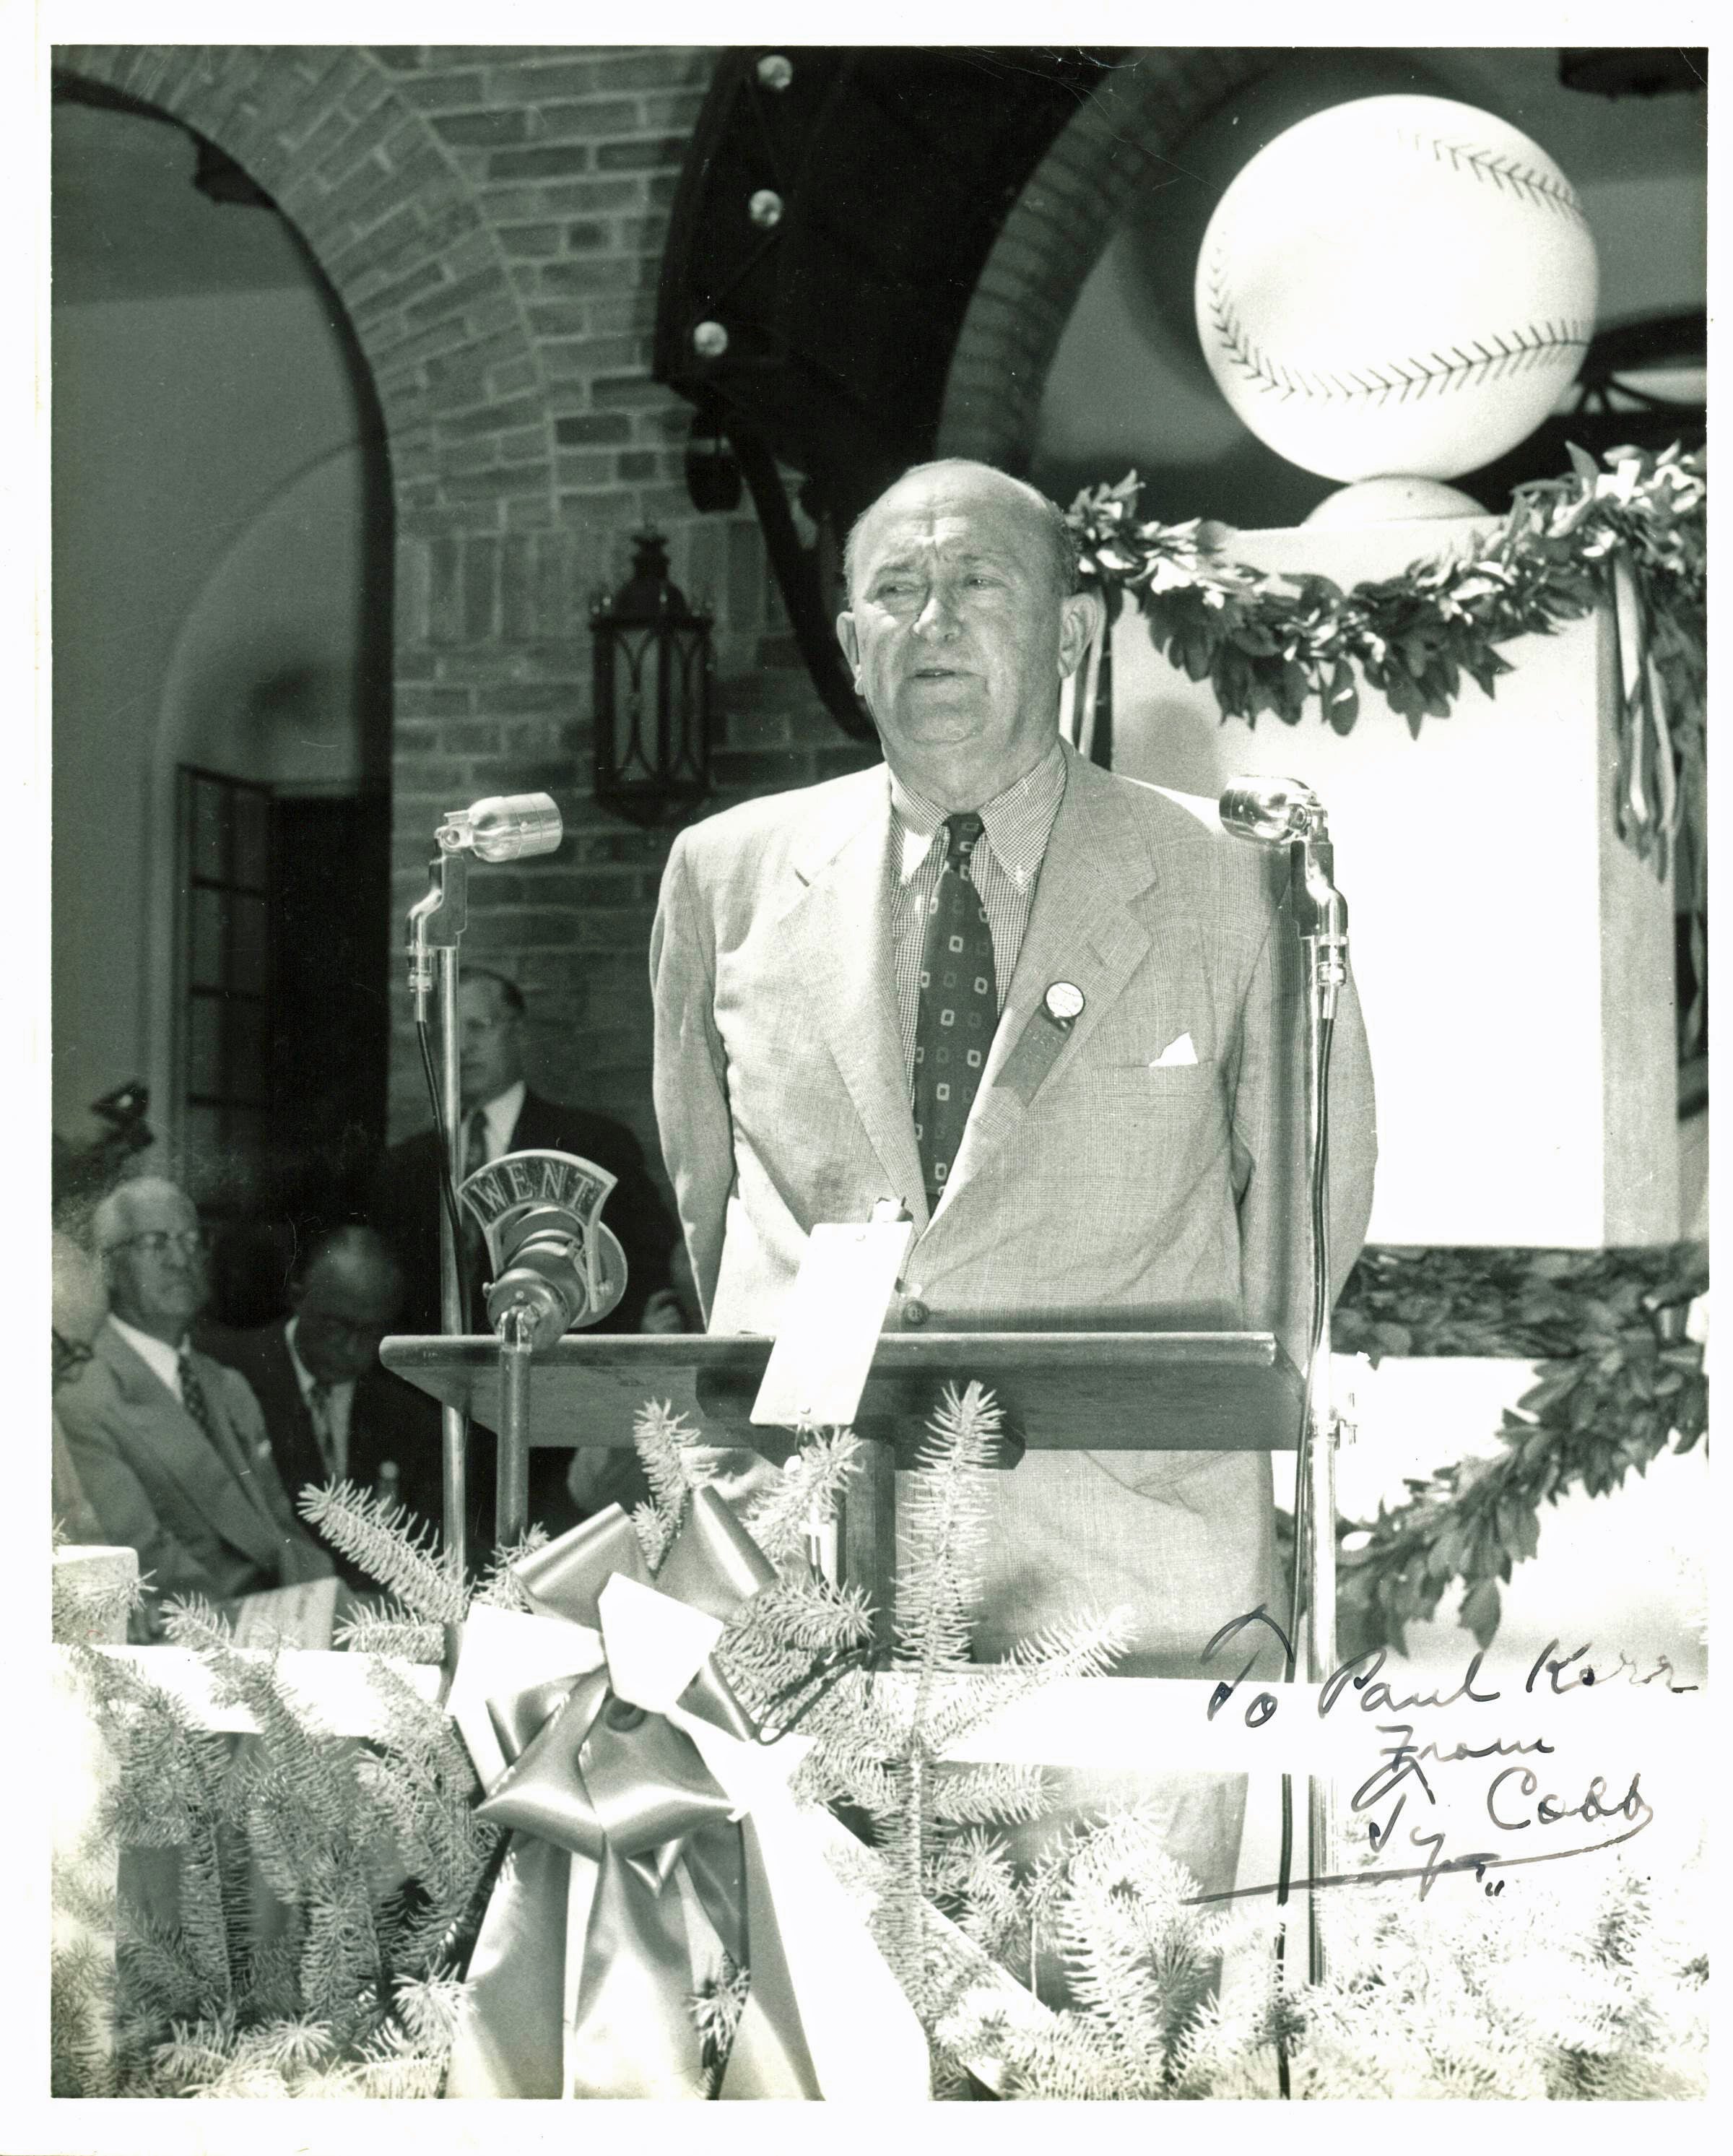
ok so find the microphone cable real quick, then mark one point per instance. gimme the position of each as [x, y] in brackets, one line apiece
[448, 1194]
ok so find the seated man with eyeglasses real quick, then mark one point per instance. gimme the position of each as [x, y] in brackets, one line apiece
[170, 1447]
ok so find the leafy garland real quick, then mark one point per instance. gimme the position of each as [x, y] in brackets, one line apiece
[1621, 1381]
[1636, 530]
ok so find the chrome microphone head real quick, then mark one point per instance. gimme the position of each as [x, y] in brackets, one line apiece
[505, 827]
[1271, 812]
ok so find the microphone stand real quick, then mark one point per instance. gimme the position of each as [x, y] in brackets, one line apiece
[437, 921]
[1268, 812]
[511, 1481]
[1321, 917]
[505, 827]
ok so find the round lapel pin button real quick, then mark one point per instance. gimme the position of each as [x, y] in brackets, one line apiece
[1063, 1004]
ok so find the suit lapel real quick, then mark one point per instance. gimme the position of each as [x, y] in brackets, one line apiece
[837, 944]
[1083, 930]
[180, 1449]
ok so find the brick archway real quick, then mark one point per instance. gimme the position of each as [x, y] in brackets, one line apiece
[1056, 232]
[367, 181]
[491, 219]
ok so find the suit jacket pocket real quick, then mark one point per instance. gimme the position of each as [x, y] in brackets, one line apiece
[1156, 1077]
[1131, 1091]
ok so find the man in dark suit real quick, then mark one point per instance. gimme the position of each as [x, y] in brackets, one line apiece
[328, 1406]
[501, 1115]
[169, 1446]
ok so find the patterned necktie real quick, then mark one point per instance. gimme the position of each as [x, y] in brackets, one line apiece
[959, 1007]
[192, 1397]
[319, 1408]
[222, 1441]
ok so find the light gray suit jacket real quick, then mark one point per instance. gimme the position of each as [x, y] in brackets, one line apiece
[1096, 1179]
[207, 1515]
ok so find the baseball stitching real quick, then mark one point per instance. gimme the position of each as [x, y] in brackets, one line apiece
[1406, 380]
[1549, 191]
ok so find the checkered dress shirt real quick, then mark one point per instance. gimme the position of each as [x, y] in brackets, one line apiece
[1006, 867]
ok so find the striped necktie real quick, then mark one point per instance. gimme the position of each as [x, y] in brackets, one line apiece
[319, 1409]
[959, 1007]
[193, 1396]
[222, 1441]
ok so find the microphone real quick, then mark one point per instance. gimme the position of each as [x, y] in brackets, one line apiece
[505, 827]
[1275, 811]
[556, 1266]
[1270, 812]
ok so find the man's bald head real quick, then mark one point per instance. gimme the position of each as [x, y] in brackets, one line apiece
[961, 628]
[346, 1294]
[1048, 532]
[133, 1207]
[148, 1237]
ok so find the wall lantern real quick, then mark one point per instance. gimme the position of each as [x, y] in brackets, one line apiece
[654, 691]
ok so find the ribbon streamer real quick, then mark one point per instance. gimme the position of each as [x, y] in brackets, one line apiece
[1646, 804]
[629, 1774]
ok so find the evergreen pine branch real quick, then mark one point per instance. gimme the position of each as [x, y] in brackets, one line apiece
[78, 2062]
[943, 1520]
[424, 1785]
[375, 1533]
[779, 1648]
[272, 1992]
[158, 1977]
[428, 2007]
[833, 1773]
[340, 1963]
[388, 1630]
[165, 1765]
[995, 1789]
[1079, 1645]
[501, 1587]
[974, 1882]
[83, 1889]
[79, 1609]
[1138, 1953]
[399, 2079]
[288, 2046]
[655, 1530]
[805, 1494]
[661, 1437]
[195, 2054]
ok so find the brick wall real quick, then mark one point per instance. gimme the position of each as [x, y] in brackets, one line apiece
[492, 219]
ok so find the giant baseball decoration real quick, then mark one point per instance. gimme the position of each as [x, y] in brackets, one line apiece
[1400, 285]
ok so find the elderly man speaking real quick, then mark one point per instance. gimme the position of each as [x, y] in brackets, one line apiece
[844, 975]
[169, 1446]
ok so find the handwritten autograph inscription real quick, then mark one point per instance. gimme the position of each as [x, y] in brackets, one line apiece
[1517, 1798]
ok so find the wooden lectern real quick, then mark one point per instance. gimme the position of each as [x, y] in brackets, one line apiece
[1096, 1392]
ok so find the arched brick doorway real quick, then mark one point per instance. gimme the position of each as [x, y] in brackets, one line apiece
[380, 161]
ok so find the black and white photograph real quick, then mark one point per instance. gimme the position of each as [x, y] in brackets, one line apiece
[873, 1059]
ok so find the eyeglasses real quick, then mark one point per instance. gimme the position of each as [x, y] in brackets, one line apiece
[156, 1242]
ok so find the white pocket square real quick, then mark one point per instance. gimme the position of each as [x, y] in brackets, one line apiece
[1175, 1053]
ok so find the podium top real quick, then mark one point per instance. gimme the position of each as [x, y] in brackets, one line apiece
[1099, 1392]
